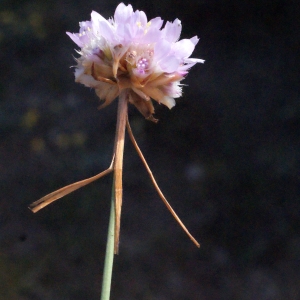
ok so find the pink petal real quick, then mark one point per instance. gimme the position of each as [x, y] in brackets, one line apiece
[194, 40]
[152, 36]
[183, 48]
[96, 19]
[123, 13]
[139, 18]
[169, 64]
[172, 31]
[156, 23]
[107, 31]
[161, 49]
[75, 38]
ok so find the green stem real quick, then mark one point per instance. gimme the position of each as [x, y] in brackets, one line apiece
[109, 255]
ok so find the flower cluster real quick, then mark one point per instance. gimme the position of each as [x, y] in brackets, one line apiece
[128, 52]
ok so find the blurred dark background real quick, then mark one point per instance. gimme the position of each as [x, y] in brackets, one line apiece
[226, 156]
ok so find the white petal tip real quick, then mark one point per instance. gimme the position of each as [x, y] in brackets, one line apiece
[168, 101]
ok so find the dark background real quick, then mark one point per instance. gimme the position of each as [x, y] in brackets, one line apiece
[226, 156]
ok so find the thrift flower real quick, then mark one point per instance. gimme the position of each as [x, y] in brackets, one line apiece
[137, 61]
[130, 52]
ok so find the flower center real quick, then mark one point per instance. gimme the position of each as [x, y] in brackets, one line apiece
[142, 65]
[140, 60]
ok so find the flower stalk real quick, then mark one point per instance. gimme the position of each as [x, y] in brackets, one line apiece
[109, 254]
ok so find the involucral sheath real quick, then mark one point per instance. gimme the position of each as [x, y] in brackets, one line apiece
[118, 166]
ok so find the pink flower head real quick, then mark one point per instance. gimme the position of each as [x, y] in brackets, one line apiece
[130, 52]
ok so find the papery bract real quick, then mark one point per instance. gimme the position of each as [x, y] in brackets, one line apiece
[128, 52]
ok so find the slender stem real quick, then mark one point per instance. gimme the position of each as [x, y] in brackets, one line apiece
[109, 255]
[112, 245]
[118, 165]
